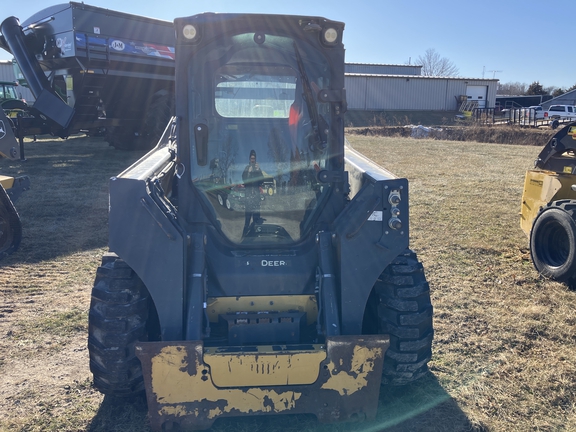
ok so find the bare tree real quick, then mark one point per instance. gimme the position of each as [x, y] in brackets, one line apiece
[550, 89]
[512, 88]
[226, 158]
[519, 89]
[435, 65]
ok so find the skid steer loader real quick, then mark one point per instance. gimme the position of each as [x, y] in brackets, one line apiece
[548, 210]
[300, 301]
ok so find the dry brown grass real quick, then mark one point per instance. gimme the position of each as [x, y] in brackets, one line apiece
[504, 353]
[505, 339]
[494, 134]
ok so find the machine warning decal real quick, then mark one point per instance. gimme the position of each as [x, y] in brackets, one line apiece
[2, 129]
[376, 216]
[535, 182]
[572, 132]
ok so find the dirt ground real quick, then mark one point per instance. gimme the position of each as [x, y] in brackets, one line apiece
[504, 352]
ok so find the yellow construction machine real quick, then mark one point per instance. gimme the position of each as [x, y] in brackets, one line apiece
[548, 210]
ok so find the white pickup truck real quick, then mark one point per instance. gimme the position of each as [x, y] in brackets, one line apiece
[562, 112]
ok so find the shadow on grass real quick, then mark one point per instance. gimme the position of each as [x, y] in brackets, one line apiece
[421, 407]
[121, 414]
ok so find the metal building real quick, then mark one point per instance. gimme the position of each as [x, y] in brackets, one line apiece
[568, 98]
[413, 92]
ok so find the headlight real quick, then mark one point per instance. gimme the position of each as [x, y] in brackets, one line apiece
[330, 35]
[189, 32]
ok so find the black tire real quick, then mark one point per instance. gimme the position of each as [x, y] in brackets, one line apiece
[120, 138]
[160, 111]
[117, 321]
[404, 312]
[156, 118]
[10, 225]
[553, 241]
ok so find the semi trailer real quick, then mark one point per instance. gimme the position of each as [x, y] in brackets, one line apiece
[94, 70]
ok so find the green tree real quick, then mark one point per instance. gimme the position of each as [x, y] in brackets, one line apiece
[535, 89]
[571, 88]
[558, 92]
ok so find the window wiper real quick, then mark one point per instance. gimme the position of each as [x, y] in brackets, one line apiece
[319, 133]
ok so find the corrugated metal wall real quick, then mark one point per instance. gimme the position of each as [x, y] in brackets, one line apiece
[568, 98]
[410, 93]
[7, 74]
[6, 71]
[382, 69]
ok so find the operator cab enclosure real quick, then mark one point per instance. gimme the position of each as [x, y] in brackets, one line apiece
[254, 131]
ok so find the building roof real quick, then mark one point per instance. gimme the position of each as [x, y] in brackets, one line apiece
[352, 74]
[382, 64]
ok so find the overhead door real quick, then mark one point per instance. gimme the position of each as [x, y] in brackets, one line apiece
[477, 94]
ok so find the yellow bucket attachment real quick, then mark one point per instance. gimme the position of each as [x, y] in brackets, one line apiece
[189, 386]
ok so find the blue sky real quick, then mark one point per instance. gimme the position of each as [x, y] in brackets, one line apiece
[524, 41]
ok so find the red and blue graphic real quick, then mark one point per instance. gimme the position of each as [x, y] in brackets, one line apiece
[127, 46]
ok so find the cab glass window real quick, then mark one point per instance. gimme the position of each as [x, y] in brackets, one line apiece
[266, 132]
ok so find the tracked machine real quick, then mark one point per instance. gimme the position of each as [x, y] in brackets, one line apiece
[303, 300]
[548, 210]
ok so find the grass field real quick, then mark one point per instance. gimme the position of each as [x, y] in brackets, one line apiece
[504, 356]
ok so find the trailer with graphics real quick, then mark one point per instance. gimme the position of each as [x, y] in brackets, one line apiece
[94, 70]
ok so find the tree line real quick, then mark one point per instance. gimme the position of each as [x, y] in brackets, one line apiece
[520, 89]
